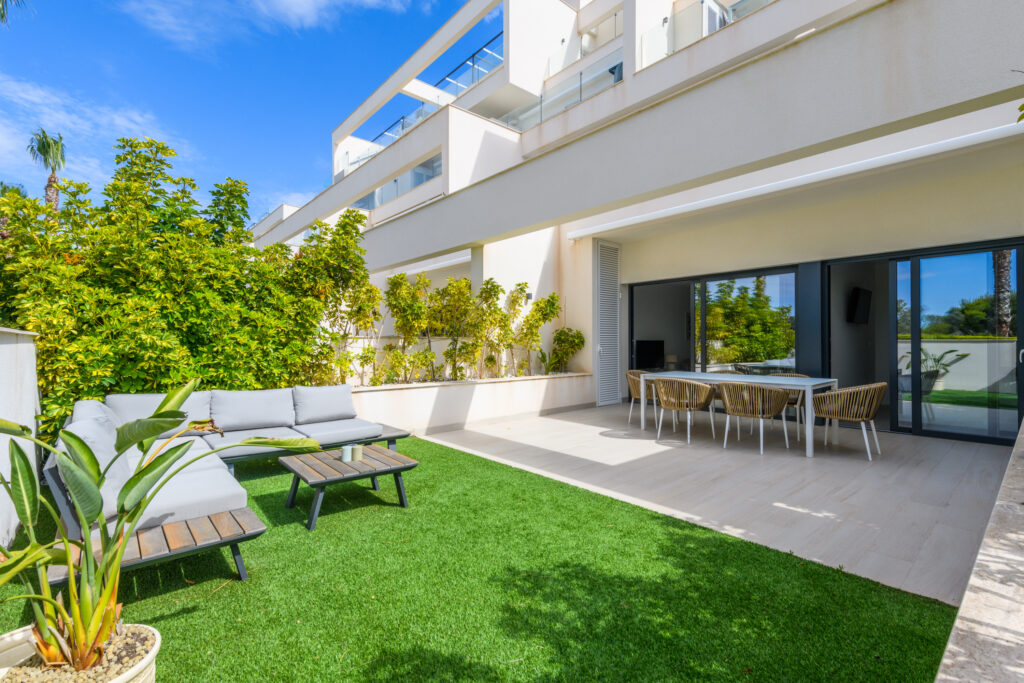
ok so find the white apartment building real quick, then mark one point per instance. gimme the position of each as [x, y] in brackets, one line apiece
[858, 159]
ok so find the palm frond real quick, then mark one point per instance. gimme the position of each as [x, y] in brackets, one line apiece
[5, 7]
[47, 150]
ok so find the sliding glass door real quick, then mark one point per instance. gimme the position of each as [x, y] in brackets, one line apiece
[957, 345]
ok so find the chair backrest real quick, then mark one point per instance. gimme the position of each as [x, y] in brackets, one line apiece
[853, 404]
[753, 400]
[633, 379]
[726, 372]
[683, 394]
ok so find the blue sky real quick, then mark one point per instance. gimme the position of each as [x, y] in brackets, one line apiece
[244, 88]
[948, 280]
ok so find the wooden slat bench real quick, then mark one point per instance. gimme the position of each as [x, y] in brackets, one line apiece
[179, 539]
[320, 470]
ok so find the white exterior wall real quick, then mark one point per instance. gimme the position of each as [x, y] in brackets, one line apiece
[19, 402]
[535, 30]
[435, 407]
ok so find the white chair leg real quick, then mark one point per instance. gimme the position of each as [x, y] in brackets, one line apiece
[713, 421]
[630, 418]
[738, 420]
[875, 433]
[726, 442]
[688, 421]
[660, 420]
[796, 411]
[828, 423]
[760, 431]
[675, 419]
[867, 444]
[785, 430]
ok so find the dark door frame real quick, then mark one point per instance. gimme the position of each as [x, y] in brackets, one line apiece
[914, 257]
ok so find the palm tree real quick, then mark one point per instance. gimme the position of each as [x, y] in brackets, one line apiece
[1003, 289]
[5, 6]
[49, 153]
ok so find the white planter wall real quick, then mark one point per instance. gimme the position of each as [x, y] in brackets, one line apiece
[989, 366]
[19, 402]
[440, 406]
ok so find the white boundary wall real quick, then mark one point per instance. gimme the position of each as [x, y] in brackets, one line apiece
[19, 402]
[441, 406]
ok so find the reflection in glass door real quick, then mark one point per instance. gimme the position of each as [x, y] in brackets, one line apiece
[957, 344]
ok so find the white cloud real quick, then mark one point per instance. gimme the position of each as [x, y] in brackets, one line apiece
[90, 130]
[195, 25]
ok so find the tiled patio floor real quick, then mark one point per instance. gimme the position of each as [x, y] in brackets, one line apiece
[914, 518]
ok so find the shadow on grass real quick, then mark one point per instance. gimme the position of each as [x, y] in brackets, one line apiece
[338, 498]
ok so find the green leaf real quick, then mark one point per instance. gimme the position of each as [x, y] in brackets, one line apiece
[138, 486]
[84, 493]
[297, 445]
[81, 454]
[14, 429]
[24, 486]
[137, 431]
[175, 399]
[26, 559]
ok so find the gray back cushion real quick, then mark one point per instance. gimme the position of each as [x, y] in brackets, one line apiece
[130, 407]
[323, 404]
[94, 410]
[100, 436]
[235, 410]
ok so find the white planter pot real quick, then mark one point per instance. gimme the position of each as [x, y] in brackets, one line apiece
[17, 646]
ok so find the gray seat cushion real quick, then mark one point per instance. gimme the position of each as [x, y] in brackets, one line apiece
[323, 404]
[218, 441]
[199, 446]
[130, 407]
[340, 431]
[233, 411]
[99, 436]
[194, 494]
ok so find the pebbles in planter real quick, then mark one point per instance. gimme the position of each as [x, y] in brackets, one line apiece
[123, 652]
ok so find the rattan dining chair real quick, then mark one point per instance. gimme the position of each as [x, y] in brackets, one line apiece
[756, 401]
[853, 404]
[796, 400]
[633, 379]
[685, 395]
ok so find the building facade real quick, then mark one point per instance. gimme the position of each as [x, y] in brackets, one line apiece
[834, 187]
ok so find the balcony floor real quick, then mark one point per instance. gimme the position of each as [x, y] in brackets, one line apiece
[913, 518]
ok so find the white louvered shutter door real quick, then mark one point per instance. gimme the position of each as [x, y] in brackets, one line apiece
[607, 301]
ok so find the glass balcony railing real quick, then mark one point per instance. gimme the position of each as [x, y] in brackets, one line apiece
[591, 41]
[472, 70]
[690, 24]
[394, 188]
[590, 81]
[461, 78]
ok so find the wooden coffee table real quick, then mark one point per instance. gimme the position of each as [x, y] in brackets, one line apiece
[320, 470]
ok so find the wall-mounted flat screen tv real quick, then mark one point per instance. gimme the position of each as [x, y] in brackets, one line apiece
[649, 354]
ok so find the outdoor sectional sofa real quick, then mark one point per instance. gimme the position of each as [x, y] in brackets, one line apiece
[204, 506]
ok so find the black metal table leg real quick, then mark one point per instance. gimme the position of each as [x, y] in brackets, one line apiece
[239, 564]
[314, 511]
[376, 485]
[393, 444]
[295, 490]
[401, 490]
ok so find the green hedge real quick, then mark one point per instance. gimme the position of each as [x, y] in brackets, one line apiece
[147, 288]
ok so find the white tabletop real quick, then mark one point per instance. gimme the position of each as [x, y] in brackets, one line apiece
[718, 377]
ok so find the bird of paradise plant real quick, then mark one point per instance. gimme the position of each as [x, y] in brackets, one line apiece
[74, 630]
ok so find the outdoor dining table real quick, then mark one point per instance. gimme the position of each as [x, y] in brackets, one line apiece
[805, 384]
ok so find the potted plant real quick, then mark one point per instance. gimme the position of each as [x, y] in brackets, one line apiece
[78, 628]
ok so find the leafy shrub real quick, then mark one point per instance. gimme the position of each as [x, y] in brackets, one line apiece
[147, 289]
[565, 343]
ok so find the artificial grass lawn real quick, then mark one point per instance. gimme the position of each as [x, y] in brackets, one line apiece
[498, 574]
